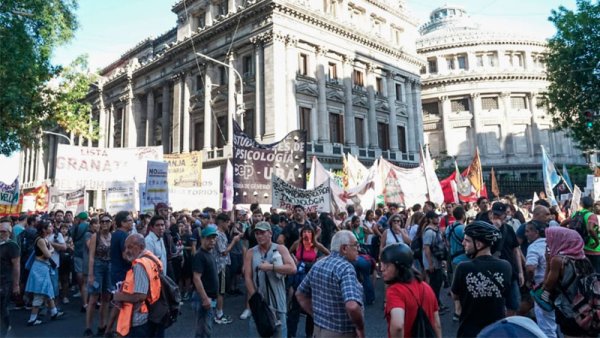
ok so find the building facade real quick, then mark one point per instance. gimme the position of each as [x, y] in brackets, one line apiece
[345, 71]
[482, 89]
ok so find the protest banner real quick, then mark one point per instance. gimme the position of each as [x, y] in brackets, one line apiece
[185, 170]
[575, 201]
[36, 200]
[255, 163]
[142, 203]
[94, 168]
[75, 201]
[392, 193]
[206, 195]
[9, 193]
[157, 184]
[286, 196]
[120, 195]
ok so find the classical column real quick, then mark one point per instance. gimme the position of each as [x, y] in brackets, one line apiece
[471, 61]
[274, 85]
[314, 124]
[150, 118]
[446, 127]
[140, 135]
[130, 132]
[176, 120]
[442, 65]
[418, 108]
[291, 68]
[209, 14]
[349, 124]
[52, 155]
[111, 126]
[166, 118]
[185, 111]
[504, 121]
[208, 107]
[231, 6]
[476, 130]
[534, 137]
[101, 119]
[231, 90]
[528, 60]
[41, 164]
[372, 114]
[391, 98]
[413, 140]
[323, 114]
[258, 87]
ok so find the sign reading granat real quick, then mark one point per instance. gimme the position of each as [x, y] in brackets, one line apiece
[254, 163]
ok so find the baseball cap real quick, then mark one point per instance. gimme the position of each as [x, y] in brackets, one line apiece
[264, 226]
[83, 215]
[209, 231]
[499, 208]
[242, 212]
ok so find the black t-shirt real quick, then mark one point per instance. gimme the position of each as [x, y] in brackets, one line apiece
[8, 251]
[506, 247]
[291, 232]
[205, 264]
[481, 285]
[483, 216]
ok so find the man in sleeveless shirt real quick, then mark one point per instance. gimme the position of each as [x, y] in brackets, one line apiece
[269, 262]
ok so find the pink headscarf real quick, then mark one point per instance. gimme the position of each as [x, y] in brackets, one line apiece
[564, 242]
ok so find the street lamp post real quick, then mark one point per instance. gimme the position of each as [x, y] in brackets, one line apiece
[239, 97]
[58, 134]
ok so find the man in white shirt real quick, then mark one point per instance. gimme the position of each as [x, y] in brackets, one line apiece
[57, 240]
[154, 240]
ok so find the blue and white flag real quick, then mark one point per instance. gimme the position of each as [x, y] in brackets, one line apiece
[551, 177]
[566, 178]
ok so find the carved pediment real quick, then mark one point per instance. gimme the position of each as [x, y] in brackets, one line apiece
[360, 101]
[335, 95]
[307, 89]
[382, 105]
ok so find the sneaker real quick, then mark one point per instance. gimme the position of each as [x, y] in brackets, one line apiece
[455, 317]
[34, 322]
[101, 331]
[246, 314]
[186, 296]
[77, 295]
[65, 300]
[83, 308]
[223, 320]
[88, 333]
[57, 315]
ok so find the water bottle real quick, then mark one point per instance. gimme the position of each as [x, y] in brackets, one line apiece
[277, 261]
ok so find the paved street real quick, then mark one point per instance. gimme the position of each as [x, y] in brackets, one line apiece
[73, 324]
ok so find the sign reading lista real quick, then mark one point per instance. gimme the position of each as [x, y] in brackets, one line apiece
[255, 163]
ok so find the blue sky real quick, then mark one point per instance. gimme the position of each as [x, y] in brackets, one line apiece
[108, 28]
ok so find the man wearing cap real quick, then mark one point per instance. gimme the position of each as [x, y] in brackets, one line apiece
[268, 261]
[80, 227]
[433, 266]
[206, 283]
[221, 253]
[204, 219]
[508, 249]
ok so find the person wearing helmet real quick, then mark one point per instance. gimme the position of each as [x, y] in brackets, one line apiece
[406, 292]
[482, 284]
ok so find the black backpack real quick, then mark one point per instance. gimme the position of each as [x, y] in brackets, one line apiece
[438, 247]
[26, 241]
[421, 327]
[166, 308]
[417, 247]
[577, 223]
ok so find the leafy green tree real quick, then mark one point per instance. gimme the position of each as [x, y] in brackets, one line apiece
[29, 32]
[573, 67]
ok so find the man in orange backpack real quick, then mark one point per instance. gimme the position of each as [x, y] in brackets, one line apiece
[140, 288]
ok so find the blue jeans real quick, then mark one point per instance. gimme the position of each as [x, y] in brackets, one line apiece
[513, 298]
[204, 318]
[364, 269]
[281, 330]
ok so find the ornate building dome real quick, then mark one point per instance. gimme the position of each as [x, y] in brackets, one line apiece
[481, 88]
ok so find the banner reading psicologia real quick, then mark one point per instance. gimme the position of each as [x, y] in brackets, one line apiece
[285, 196]
[185, 170]
[120, 195]
[206, 195]
[94, 168]
[254, 163]
[157, 184]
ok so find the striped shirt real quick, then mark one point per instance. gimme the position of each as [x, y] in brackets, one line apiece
[331, 283]
[141, 285]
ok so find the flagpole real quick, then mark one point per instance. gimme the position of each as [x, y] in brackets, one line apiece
[425, 171]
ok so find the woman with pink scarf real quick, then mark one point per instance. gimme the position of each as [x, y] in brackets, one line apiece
[565, 257]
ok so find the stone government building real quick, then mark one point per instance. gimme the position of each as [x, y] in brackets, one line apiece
[482, 88]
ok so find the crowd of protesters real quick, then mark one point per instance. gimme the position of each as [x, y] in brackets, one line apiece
[498, 259]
